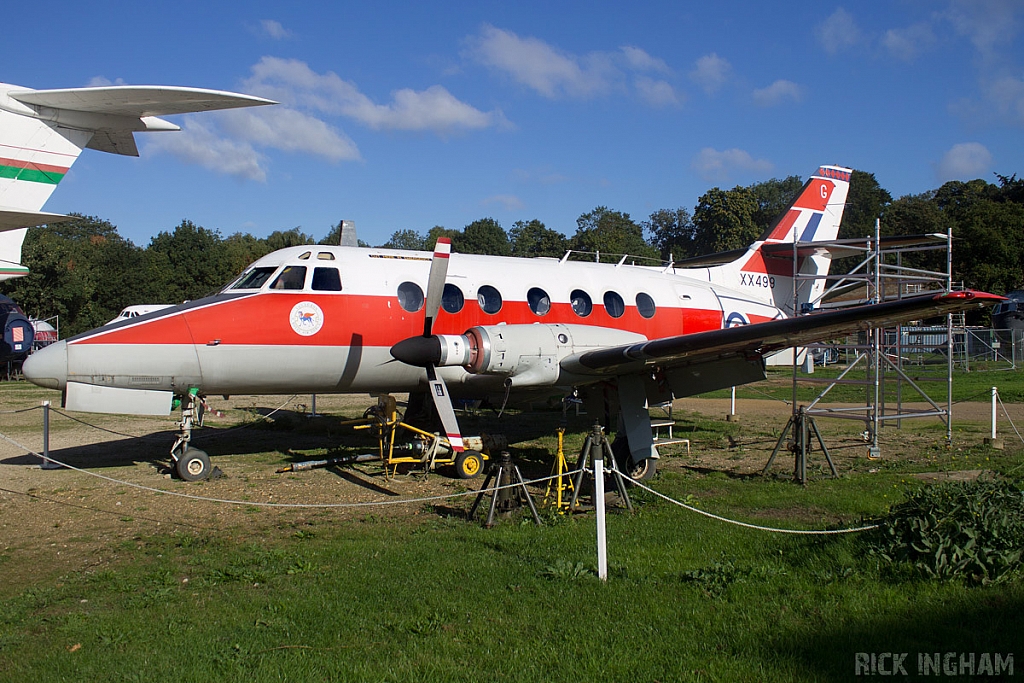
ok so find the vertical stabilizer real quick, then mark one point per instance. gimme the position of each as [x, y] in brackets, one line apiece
[34, 157]
[765, 270]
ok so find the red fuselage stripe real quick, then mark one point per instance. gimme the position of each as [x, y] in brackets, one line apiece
[364, 320]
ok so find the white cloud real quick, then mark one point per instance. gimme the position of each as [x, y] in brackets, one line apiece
[711, 72]
[987, 23]
[433, 109]
[289, 130]
[537, 65]
[509, 202]
[838, 32]
[1001, 101]
[557, 74]
[908, 43]
[965, 161]
[656, 93]
[275, 30]
[1007, 96]
[293, 83]
[715, 166]
[640, 60]
[100, 81]
[777, 93]
[228, 141]
[197, 143]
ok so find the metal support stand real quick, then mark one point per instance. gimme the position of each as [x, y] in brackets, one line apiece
[802, 426]
[560, 483]
[596, 447]
[512, 491]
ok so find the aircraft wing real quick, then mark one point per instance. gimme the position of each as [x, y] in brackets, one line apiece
[137, 101]
[763, 338]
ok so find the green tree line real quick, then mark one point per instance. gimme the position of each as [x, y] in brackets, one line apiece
[85, 272]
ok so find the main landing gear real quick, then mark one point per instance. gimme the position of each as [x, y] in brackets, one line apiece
[191, 464]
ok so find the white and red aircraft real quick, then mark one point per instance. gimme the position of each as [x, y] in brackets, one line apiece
[331, 319]
[42, 132]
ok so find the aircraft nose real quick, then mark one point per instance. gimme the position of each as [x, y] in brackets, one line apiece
[48, 367]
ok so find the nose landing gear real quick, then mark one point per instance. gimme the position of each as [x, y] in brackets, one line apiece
[191, 464]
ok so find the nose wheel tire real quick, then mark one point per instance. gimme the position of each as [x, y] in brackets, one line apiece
[193, 465]
[468, 464]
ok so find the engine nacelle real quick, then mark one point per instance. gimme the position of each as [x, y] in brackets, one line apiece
[528, 354]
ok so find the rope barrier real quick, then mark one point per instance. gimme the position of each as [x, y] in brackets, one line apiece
[404, 501]
[1007, 414]
[801, 532]
[22, 410]
[201, 436]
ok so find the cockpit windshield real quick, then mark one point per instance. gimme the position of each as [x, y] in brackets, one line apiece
[255, 278]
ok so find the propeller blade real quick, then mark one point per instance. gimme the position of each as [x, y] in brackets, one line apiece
[435, 282]
[443, 404]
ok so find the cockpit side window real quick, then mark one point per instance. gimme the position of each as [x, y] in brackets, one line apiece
[326, 280]
[292, 277]
[255, 278]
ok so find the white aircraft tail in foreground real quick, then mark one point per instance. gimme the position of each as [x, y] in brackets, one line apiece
[42, 132]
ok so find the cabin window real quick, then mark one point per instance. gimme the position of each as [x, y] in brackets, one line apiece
[325, 256]
[581, 303]
[614, 305]
[452, 299]
[645, 305]
[410, 296]
[540, 302]
[292, 277]
[304, 256]
[489, 299]
[255, 278]
[326, 280]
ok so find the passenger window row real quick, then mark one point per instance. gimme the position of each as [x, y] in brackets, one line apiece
[411, 299]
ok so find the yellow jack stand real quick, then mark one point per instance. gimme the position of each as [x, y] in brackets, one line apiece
[562, 482]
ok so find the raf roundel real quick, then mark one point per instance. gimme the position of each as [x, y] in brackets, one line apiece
[306, 318]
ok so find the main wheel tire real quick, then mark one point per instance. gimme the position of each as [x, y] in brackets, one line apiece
[469, 464]
[193, 465]
[640, 471]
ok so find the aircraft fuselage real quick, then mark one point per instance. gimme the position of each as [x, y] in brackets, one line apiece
[322, 319]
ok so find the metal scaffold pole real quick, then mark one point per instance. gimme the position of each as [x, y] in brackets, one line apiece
[882, 265]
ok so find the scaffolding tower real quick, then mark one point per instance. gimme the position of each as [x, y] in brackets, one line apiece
[879, 276]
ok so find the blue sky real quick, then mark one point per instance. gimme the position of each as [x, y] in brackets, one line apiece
[406, 115]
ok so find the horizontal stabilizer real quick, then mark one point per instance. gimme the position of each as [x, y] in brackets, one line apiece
[851, 247]
[137, 100]
[11, 219]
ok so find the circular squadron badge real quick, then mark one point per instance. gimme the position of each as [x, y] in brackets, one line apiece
[306, 318]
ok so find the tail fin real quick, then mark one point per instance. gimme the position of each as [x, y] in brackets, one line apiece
[765, 269]
[42, 132]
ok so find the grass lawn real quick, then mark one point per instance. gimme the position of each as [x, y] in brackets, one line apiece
[431, 597]
[440, 599]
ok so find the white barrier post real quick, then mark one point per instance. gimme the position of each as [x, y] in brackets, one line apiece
[995, 397]
[597, 453]
[993, 440]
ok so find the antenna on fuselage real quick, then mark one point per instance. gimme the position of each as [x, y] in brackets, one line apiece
[347, 236]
